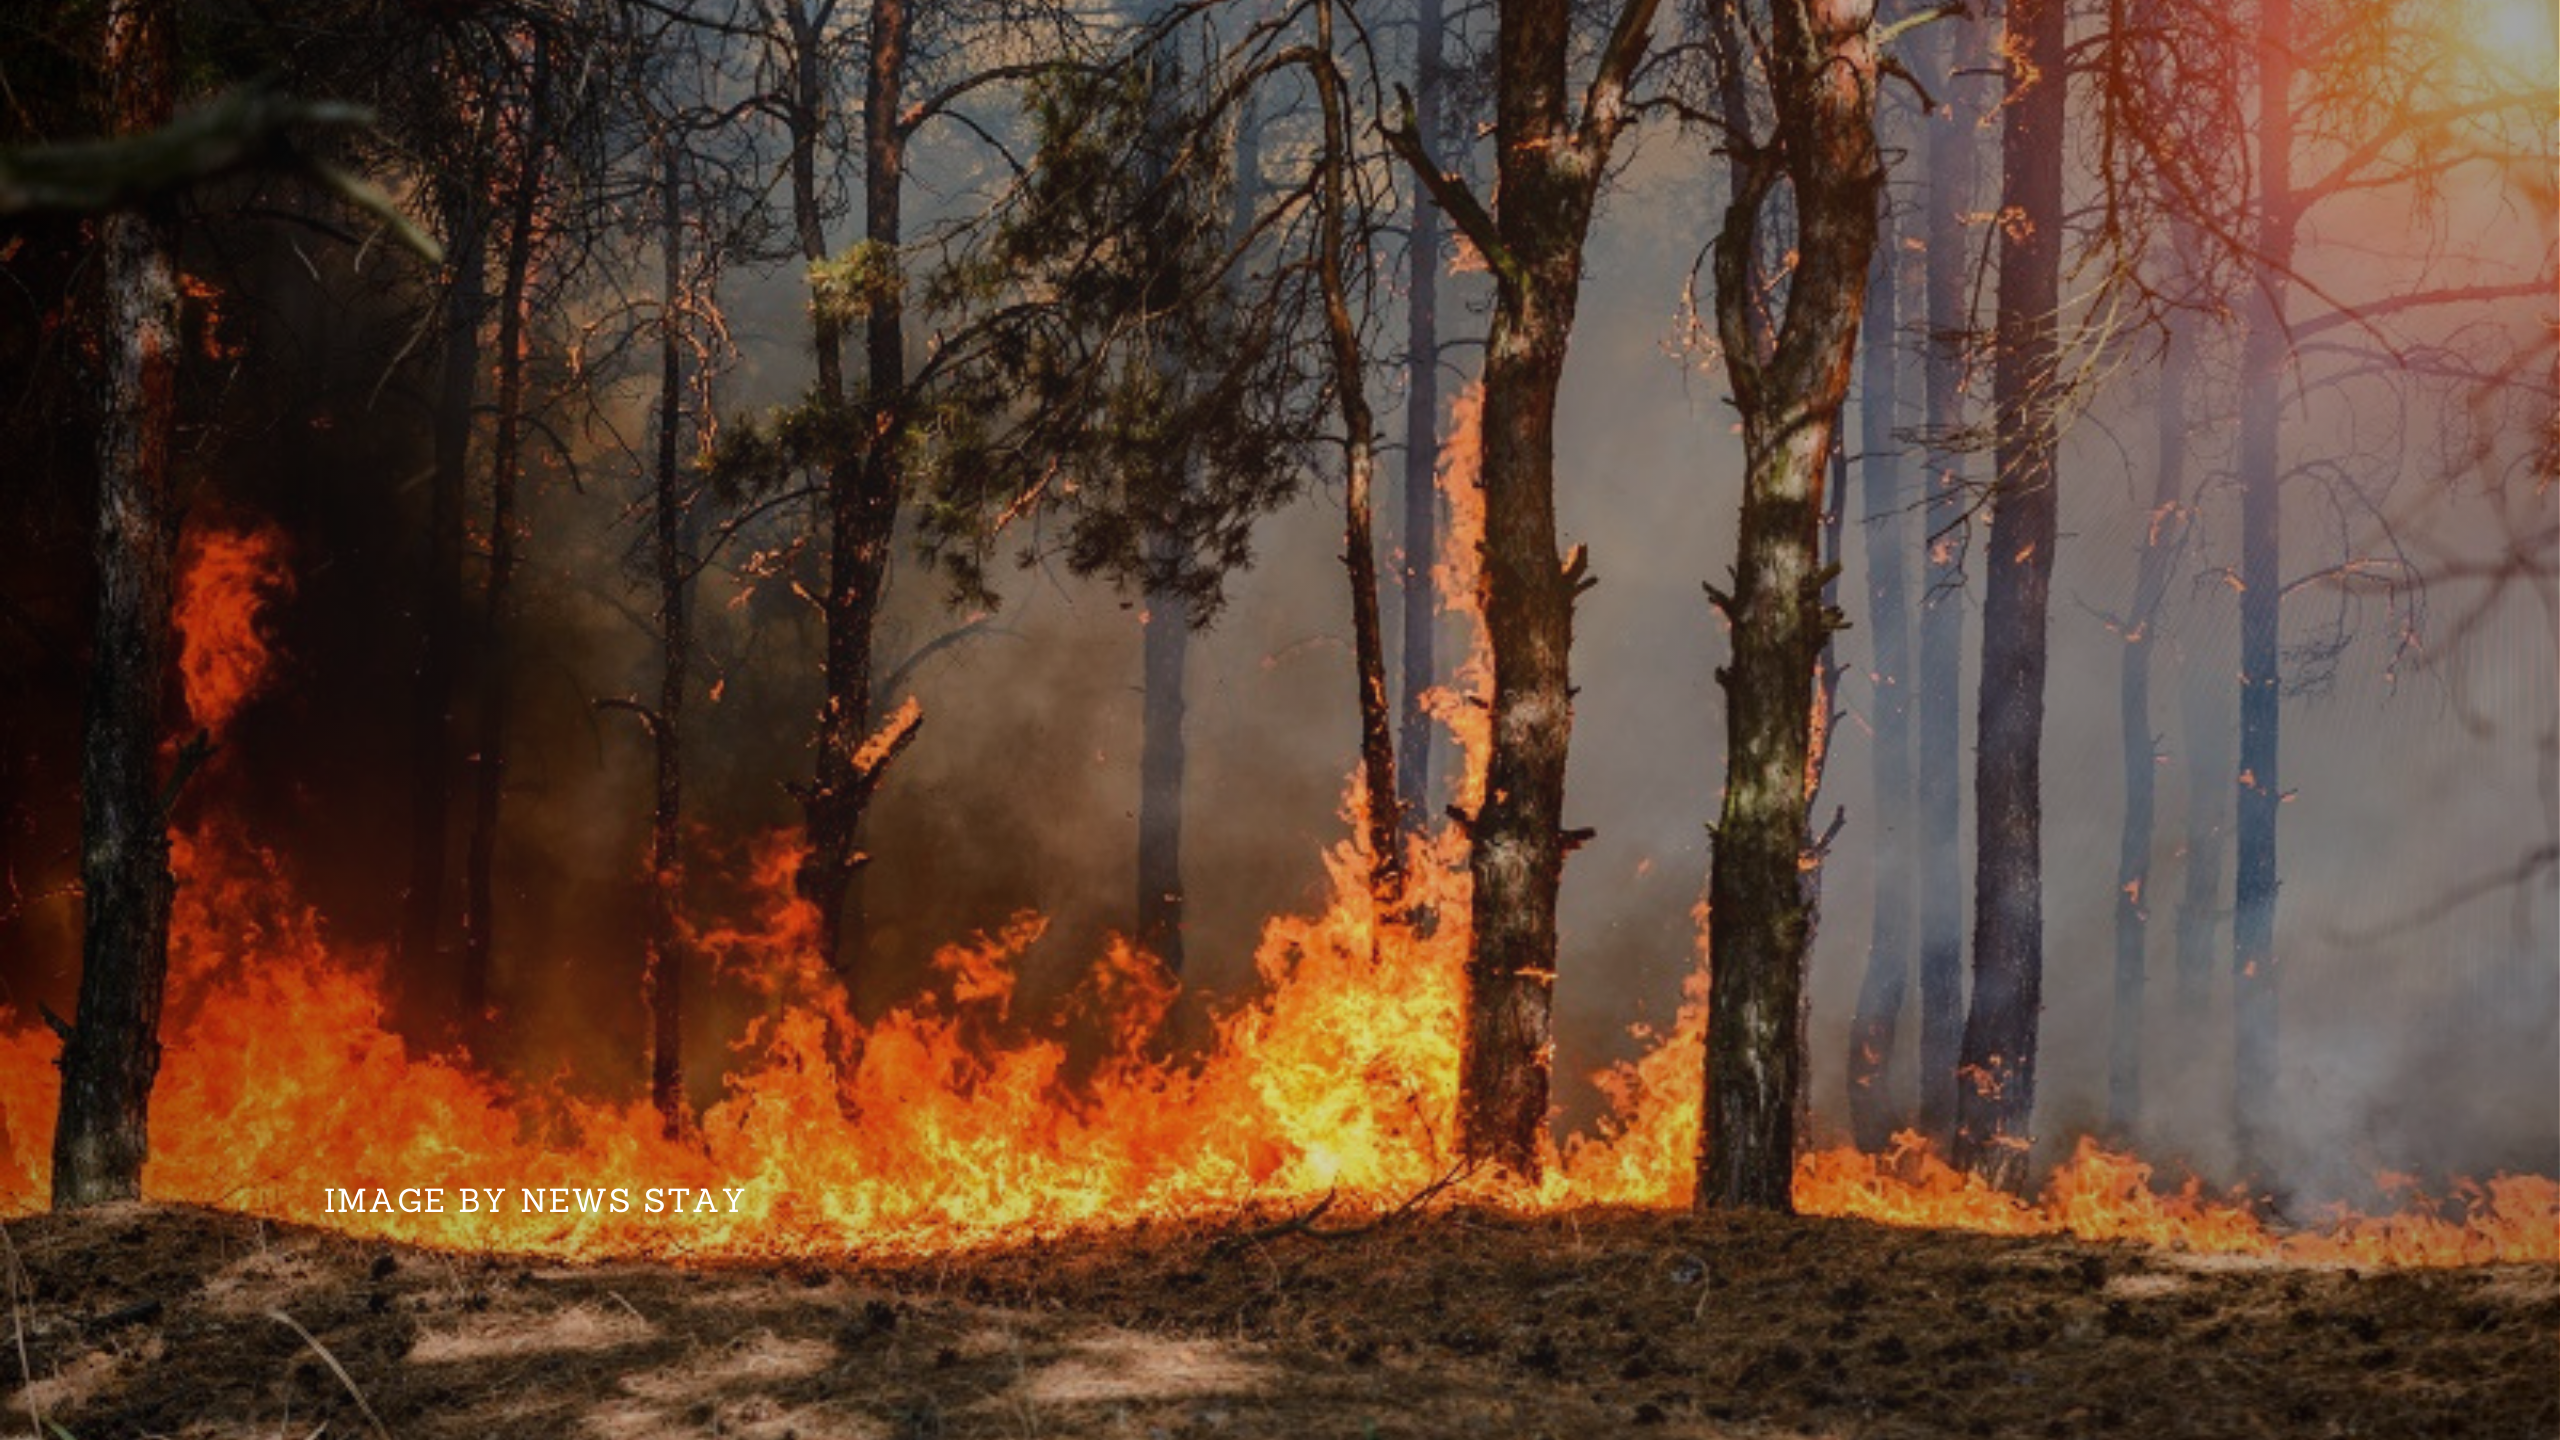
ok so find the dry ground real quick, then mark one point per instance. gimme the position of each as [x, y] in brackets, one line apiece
[162, 1321]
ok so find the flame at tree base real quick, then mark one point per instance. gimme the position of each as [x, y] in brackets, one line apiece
[950, 1121]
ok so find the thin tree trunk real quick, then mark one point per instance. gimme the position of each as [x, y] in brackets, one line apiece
[1421, 602]
[863, 490]
[422, 925]
[1995, 1104]
[1873, 1113]
[1790, 378]
[1166, 615]
[111, 1055]
[1360, 556]
[2140, 631]
[2264, 357]
[489, 766]
[1161, 760]
[662, 974]
[828, 824]
[1938, 760]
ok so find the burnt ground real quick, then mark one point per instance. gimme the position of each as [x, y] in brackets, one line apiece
[162, 1321]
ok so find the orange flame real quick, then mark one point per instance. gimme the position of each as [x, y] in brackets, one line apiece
[944, 1122]
[1464, 705]
[229, 579]
[956, 1118]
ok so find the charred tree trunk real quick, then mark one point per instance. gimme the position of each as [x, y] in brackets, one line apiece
[1873, 1113]
[489, 761]
[1995, 1104]
[863, 486]
[111, 1055]
[1415, 727]
[1360, 555]
[1938, 760]
[2265, 354]
[1550, 166]
[1790, 377]
[2140, 628]
[422, 924]
[662, 973]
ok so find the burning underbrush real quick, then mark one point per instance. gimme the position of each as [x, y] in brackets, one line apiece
[951, 1121]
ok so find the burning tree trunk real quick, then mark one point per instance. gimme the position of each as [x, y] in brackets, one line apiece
[2139, 629]
[1789, 376]
[1939, 758]
[1415, 726]
[1873, 1115]
[489, 763]
[1996, 1101]
[1549, 168]
[111, 1054]
[1377, 732]
[863, 484]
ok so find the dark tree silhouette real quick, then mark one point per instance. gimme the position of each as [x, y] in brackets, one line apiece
[111, 1051]
[1995, 1099]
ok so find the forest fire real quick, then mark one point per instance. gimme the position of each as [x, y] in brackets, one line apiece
[925, 1130]
[856, 719]
[950, 1120]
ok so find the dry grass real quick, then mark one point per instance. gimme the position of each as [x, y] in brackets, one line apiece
[1450, 1323]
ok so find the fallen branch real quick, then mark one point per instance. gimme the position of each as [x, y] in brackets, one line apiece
[1304, 1223]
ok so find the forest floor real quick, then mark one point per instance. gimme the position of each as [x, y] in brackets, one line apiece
[165, 1321]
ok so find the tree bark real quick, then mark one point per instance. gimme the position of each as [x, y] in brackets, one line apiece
[662, 972]
[1385, 835]
[489, 760]
[112, 1054]
[1549, 167]
[1938, 760]
[864, 486]
[2265, 354]
[1873, 1113]
[1995, 1103]
[1789, 382]
[1417, 730]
